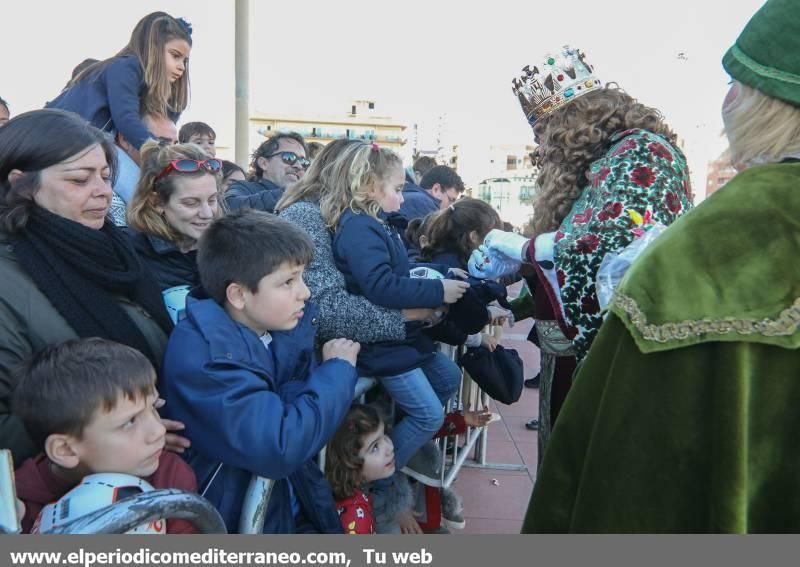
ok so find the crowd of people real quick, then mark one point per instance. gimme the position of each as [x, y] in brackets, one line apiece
[167, 315]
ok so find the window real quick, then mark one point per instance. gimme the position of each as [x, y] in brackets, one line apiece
[511, 162]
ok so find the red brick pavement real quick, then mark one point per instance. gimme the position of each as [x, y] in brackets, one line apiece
[495, 500]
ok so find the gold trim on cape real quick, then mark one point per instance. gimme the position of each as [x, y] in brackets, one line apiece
[785, 324]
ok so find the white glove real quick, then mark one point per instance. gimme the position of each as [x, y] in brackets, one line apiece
[488, 264]
[508, 244]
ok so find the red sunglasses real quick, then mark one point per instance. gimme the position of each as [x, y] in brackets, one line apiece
[186, 165]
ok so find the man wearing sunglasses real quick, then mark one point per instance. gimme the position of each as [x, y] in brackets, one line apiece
[278, 163]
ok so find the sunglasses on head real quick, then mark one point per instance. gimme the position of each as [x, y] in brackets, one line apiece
[186, 165]
[291, 158]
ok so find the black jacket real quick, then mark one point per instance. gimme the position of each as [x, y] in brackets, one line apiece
[171, 267]
[262, 195]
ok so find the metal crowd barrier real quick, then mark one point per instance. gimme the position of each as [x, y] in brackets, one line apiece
[254, 510]
[476, 440]
[167, 504]
[126, 514]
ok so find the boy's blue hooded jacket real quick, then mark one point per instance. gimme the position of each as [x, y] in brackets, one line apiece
[258, 411]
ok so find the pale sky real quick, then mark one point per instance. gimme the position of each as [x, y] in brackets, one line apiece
[415, 59]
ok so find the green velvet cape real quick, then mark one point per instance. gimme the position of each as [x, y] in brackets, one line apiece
[685, 415]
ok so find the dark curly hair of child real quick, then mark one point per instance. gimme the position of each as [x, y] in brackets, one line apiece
[343, 466]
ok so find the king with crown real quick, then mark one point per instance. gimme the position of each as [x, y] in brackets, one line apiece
[607, 164]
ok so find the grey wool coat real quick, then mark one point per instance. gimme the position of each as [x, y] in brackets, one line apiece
[341, 314]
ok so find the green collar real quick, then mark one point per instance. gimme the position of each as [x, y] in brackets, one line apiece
[727, 271]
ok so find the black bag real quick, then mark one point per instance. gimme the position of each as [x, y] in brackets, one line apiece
[498, 372]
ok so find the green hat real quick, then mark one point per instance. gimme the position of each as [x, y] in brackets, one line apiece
[765, 56]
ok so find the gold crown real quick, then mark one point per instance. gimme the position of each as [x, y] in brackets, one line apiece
[564, 77]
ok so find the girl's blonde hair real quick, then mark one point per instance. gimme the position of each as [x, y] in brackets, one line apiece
[142, 214]
[760, 128]
[576, 135]
[147, 44]
[343, 466]
[348, 177]
[449, 230]
[310, 187]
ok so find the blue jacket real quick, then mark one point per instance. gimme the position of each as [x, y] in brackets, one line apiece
[417, 202]
[262, 195]
[110, 98]
[374, 262]
[257, 410]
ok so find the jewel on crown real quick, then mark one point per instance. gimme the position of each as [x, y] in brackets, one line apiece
[564, 77]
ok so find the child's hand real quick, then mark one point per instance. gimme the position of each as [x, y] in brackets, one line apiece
[488, 341]
[479, 418]
[341, 348]
[498, 315]
[408, 523]
[454, 290]
[459, 273]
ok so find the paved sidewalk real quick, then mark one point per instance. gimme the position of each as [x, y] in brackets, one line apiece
[495, 501]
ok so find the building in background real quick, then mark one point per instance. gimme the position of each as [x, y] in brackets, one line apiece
[432, 138]
[510, 195]
[359, 123]
[720, 171]
[512, 179]
[503, 158]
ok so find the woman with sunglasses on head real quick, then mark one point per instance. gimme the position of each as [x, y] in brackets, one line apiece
[68, 272]
[277, 164]
[176, 200]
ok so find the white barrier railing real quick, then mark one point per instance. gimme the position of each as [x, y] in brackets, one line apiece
[476, 440]
[260, 488]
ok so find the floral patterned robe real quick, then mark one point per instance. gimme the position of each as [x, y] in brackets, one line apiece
[641, 172]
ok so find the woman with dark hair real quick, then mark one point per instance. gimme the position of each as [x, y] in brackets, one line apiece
[231, 173]
[608, 167]
[67, 271]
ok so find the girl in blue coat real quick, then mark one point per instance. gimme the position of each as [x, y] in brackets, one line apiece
[364, 187]
[150, 75]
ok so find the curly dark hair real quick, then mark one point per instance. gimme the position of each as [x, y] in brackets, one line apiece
[576, 135]
[343, 466]
[270, 146]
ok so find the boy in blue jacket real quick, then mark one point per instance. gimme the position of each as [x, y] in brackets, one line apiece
[239, 372]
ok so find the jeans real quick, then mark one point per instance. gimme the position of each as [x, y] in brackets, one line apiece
[420, 393]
